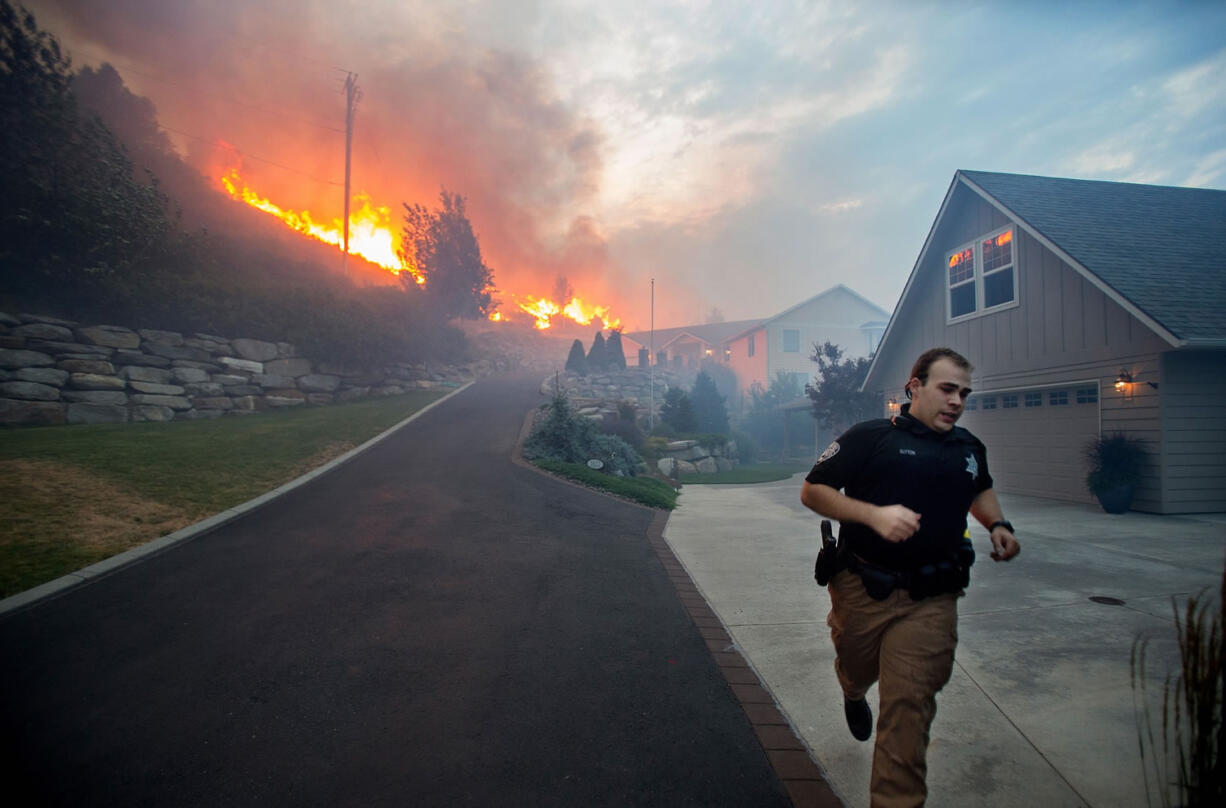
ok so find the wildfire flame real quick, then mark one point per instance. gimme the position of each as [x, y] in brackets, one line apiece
[370, 232]
[544, 310]
[372, 237]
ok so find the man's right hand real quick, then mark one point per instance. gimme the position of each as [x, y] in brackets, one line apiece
[895, 522]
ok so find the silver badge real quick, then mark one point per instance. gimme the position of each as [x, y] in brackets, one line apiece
[830, 452]
[972, 467]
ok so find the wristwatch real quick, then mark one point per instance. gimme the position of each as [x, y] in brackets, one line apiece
[1002, 523]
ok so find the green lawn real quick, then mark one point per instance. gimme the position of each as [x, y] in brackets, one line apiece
[747, 474]
[73, 495]
[644, 490]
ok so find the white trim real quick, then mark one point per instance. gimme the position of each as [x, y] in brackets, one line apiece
[979, 277]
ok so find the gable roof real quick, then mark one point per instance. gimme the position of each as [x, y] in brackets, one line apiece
[1160, 248]
[832, 290]
[711, 333]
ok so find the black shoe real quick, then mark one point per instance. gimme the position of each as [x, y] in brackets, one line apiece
[859, 718]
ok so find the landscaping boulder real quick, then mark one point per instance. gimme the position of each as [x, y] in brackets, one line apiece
[57, 333]
[189, 375]
[113, 397]
[31, 413]
[96, 381]
[96, 414]
[99, 366]
[150, 412]
[29, 391]
[248, 365]
[51, 376]
[122, 357]
[174, 402]
[293, 368]
[139, 373]
[157, 389]
[112, 336]
[172, 338]
[254, 349]
[17, 358]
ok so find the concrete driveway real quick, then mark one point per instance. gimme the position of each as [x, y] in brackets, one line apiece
[1040, 709]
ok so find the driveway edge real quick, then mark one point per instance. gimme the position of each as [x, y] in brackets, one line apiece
[128, 557]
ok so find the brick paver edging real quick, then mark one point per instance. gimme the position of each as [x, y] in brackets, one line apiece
[800, 774]
[795, 767]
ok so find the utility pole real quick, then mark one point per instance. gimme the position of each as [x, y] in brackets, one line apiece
[651, 360]
[352, 96]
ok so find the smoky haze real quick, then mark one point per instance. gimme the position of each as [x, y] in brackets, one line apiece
[436, 112]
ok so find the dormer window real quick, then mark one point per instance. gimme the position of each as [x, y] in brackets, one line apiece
[981, 276]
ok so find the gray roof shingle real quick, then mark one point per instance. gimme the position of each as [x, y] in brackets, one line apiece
[1163, 248]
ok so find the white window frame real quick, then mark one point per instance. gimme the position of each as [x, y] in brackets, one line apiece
[979, 276]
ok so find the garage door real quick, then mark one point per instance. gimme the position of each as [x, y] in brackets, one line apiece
[1035, 438]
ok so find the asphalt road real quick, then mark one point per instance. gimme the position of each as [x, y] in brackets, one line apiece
[426, 625]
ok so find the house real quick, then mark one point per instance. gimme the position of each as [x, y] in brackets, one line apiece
[757, 350]
[784, 343]
[1087, 308]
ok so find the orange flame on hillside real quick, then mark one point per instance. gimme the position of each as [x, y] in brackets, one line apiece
[544, 310]
[372, 237]
[370, 232]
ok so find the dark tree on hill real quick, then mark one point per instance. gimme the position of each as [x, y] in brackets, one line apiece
[576, 362]
[710, 414]
[74, 215]
[597, 355]
[442, 248]
[837, 400]
[614, 354]
[678, 411]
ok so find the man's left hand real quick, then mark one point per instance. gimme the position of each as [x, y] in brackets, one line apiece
[1004, 544]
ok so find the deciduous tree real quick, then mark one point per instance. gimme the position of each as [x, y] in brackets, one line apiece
[837, 400]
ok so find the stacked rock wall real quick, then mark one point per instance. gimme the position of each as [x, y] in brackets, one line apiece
[691, 457]
[54, 371]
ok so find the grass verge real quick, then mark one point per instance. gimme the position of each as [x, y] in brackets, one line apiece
[643, 490]
[73, 495]
[746, 475]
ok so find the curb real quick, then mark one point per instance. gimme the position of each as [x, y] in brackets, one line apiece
[127, 558]
[795, 766]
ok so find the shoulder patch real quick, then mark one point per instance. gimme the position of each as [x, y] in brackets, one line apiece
[830, 452]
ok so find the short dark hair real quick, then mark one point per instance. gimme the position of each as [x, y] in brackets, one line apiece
[922, 365]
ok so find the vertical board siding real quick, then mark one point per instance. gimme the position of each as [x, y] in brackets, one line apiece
[1194, 454]
[1063, 330]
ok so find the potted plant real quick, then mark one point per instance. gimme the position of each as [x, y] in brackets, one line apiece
[1116, 464]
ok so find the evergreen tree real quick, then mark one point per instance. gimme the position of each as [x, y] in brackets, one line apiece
[576, 363]
[613, 351]
[598, 357]
[710, 415]
[678, 411]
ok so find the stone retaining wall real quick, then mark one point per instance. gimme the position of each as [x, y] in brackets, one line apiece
[55, 371]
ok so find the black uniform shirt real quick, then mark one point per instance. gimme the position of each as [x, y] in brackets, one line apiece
[900, 461]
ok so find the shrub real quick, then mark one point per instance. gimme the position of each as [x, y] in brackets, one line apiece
[1115, 460]
[576, 362]
[565, 437]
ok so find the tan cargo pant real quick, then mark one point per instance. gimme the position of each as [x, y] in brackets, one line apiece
[907, 647]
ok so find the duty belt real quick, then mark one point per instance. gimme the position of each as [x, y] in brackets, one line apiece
[948, 575]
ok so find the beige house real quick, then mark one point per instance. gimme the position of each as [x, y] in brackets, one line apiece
[1087, 308]
[756, 350]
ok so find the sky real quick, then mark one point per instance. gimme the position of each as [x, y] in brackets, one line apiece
[744, 155]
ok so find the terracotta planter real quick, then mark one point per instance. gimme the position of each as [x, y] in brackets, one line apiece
[1116, 499]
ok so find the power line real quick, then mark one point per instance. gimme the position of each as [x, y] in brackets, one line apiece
[297, 114]
[247, 156]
